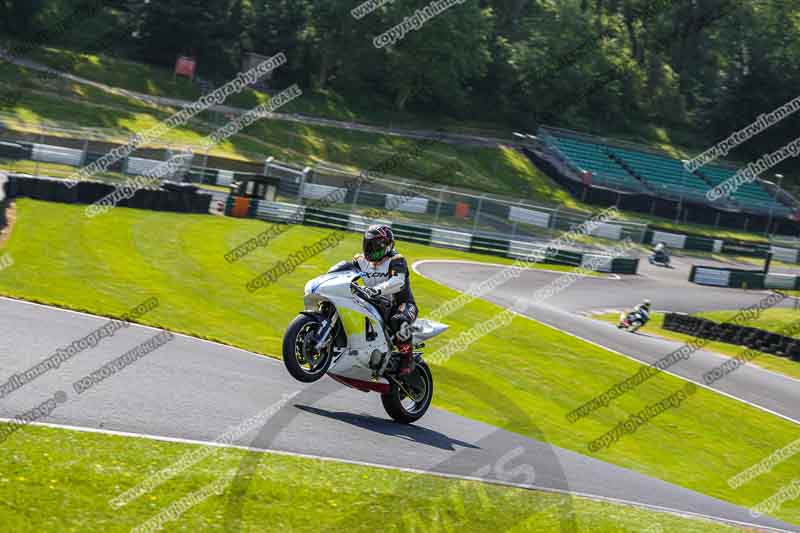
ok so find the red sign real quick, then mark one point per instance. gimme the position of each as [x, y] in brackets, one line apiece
[185, 66]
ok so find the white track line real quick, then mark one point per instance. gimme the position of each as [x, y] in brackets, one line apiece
[527, 486]
[700, 384]
[614, 277]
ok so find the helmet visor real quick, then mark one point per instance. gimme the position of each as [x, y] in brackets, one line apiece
[375, 248]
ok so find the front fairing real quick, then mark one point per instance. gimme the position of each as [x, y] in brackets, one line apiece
[334, 287]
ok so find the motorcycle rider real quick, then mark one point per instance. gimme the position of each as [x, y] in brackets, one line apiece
[643, 308]
[386, 273]
[660, 253]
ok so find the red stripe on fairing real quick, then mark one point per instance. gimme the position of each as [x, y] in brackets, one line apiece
[364, 386]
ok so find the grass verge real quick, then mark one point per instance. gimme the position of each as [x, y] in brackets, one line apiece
[43, 468]
[767, 361]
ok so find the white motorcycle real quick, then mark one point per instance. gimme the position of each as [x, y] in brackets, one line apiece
[634, 320]
[343, 332]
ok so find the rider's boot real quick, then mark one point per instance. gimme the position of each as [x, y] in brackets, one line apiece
[406, 350]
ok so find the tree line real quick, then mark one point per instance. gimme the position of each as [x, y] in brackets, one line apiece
[708, 66]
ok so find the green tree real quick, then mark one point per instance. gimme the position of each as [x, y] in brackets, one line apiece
[436, 65]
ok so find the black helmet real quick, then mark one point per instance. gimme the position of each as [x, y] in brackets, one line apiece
[378, 242]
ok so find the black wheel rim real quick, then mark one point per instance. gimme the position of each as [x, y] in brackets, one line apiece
[309, 359]
[415, 391]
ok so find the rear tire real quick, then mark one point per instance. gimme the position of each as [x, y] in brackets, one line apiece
[420, 382]
[297, 350]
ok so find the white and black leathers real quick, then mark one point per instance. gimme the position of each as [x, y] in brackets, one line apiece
[389, 276]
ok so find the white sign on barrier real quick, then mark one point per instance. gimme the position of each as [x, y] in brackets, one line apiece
[225, 177]
[451, 239]
[599, 263]
[608, 231]
[526, 250]
[409, 205]
[316, 191]
[278, 211]
[787, 255]
[673, 240]
[529, 216]
[138, 166]
[712, 276]
[780, 281]
[57, 154]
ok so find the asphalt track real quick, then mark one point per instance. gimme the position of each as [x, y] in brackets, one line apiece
[193, 390]
[668, 289]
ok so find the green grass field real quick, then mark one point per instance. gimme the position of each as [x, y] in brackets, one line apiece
[771, 319]
[60, 480]
[107, 264]
[158, 81]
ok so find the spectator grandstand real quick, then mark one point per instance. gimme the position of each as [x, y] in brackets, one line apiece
[752, 194]
[595, 158]
[628, 168]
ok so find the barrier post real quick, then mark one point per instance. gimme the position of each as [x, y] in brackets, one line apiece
[355, 196]
[477, 215]
[41, 142]
[205, 166]
[85, 153]
[439, 204]
[303, 178]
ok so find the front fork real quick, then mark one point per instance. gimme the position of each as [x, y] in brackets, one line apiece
[325, 336]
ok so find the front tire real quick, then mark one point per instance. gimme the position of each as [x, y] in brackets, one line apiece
[302, 361]
[405, 408]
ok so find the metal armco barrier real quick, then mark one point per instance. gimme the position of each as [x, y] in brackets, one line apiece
[705, 244]
[430, 235]
[742, 279]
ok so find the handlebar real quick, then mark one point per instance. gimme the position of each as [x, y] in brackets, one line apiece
[356, 288]
[377, 301]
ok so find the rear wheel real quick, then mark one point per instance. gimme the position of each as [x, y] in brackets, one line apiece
[410, 396]
[300, 356]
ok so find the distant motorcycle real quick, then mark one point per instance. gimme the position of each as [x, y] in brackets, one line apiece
[342, 333]
[660, 258]
[634, 320]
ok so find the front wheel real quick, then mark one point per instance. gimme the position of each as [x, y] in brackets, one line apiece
[300, 356]
[409, 397]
